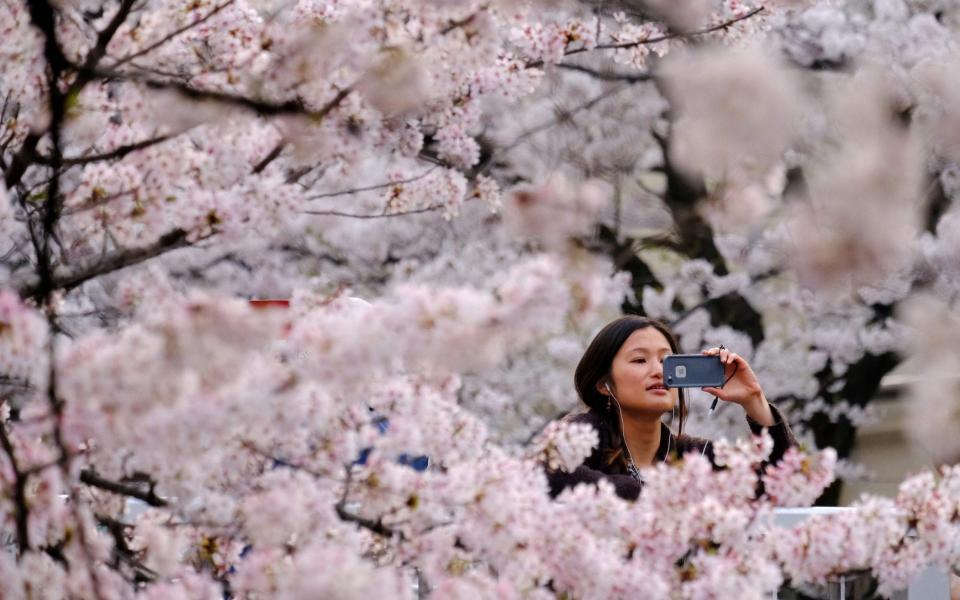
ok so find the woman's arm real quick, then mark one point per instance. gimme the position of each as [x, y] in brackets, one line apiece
[779, 431]
[743, 388]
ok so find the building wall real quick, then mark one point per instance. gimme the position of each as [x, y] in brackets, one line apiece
[886, 452]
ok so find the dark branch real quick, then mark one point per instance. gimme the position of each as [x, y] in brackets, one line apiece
[131, 489]
[122, 551]
[119, 152]
[718, 299]
[536, 64]
[269, 158]
[43, 16]
[8, 381]
[606, 75]
[373, 187]
[335, 213]
[171, 35]
[177, 238]
[563, 116]
[262, 107]
[376, 526]
[21, 160]
[458, 24]
[100, 49]
[670, 36]
[95, 201]
[20, 507]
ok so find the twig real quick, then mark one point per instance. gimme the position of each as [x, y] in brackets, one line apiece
[172, 240]
[14, 382]
[118, 152]
[709, 301]
[279, 460]
[670, 36]
[100, 49]
[122, 551]
[170, 36]
[95, 202]
[607, 75]
[21, 160]
[460, 23]
[376, 526]
[566, 114]
[262, 107]
[132, 490]
[269, 158]
[335, 213]
[20, 506]
[374, 187]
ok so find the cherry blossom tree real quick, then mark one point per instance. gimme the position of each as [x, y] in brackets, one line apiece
[495, 180]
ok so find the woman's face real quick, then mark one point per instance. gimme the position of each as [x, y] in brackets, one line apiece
[637, 374]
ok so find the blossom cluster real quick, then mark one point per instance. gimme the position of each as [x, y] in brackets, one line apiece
[564, 446]
[251, 504]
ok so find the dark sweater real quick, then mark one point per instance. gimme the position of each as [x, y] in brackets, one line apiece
[594, 468]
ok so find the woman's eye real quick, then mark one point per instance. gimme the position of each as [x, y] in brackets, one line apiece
[640, 360]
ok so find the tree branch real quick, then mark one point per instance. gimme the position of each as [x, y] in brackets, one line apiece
[173, 240]
[122, 551]
[716, 299]
[460, 23]
[606, 75]
[100, 49]
[670, 36]
[335, 213]
[170, 36]
[20, 507]
[14, 382]
[536, 64]
[376, 526]
[132, 490]
[373, 187]
[564, 115]
[290, 107]
[118, 152]
[21, 160]
[269, 158]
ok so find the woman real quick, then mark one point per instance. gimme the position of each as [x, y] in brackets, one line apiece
[620, 379]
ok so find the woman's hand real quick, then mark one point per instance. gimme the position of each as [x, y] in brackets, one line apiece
[742, 386]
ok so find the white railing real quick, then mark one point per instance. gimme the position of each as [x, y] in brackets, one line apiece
[931, 584]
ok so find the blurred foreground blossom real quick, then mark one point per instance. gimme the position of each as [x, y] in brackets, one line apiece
[736, 109]
[555, 210]
[935, 389]
[862, 217]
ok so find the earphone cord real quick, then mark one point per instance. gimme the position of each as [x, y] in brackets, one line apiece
[634, 470]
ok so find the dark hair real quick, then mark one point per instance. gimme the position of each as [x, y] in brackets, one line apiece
[594, 368]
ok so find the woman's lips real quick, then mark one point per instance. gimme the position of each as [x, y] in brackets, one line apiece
[657, 388]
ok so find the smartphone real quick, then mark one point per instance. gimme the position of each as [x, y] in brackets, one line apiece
[692, 371]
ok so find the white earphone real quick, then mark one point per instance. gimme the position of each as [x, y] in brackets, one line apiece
[620, 414]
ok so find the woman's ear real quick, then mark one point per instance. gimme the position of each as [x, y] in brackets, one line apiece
[603, 386]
